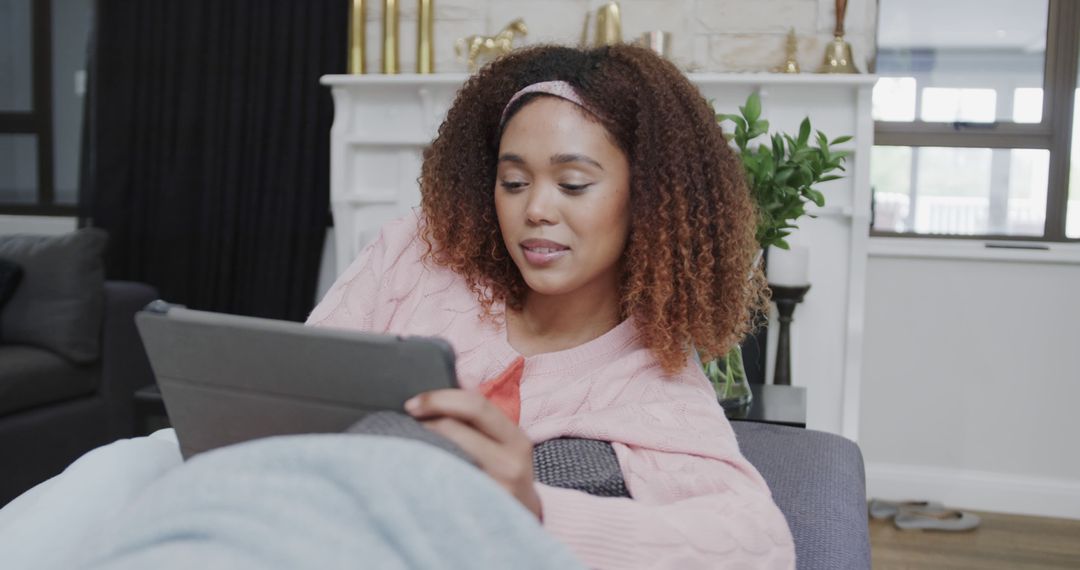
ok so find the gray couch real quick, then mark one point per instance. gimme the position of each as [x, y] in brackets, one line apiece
[70, 357]
[817, 480]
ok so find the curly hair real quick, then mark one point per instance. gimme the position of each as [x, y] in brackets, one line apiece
[689, 277]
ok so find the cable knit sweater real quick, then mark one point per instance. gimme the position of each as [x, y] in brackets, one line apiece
[697, 503]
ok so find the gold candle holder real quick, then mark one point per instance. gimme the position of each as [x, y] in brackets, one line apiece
[425, 33]
[357, 35]
[390, 37]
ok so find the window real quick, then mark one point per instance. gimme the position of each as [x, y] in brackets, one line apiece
[43, 47]
[972, 119]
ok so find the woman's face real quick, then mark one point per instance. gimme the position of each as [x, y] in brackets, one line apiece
[562, 195]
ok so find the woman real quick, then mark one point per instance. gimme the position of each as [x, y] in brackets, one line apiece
[584, 228]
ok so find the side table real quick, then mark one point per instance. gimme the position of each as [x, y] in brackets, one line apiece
[773, 404]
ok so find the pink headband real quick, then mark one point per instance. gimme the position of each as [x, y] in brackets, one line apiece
[560, 89]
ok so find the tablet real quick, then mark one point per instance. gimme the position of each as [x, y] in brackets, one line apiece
[227, 379]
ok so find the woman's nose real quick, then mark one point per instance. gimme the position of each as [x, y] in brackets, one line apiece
[541, 208]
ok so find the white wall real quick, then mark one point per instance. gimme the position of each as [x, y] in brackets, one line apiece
[971, 383]
[709, 35]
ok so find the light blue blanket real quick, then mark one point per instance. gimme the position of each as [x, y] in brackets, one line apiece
[324, 501]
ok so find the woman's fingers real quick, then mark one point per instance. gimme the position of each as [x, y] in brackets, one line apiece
[483, 432]
[510, 468]
[468, 407]
[491, 457]
[475, 444]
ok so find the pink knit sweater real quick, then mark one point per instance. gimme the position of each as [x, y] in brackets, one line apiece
[697, 503]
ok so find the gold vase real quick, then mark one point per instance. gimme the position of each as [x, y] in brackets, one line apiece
[390, 62]
[425, 34]
[357, 34]
[608, 25]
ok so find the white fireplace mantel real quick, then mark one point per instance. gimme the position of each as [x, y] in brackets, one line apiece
[383, 122]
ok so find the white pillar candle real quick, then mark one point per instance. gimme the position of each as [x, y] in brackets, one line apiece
[789, 267]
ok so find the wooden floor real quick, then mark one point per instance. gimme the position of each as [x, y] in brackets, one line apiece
[1002, 541]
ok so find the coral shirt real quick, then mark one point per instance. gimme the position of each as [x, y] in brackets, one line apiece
[697, 502]
[505, 390]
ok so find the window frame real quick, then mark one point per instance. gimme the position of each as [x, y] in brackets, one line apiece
[1053, 133]
[39, 120]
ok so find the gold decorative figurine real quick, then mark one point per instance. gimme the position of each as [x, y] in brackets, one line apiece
[425, 33]
[390, 37]
[356, 37]
[838, 52]
[791, 64]
[501, 43]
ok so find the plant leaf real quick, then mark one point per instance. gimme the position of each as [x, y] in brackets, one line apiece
[752, 111]
[783, 170]
[804, 131]
[739, 122]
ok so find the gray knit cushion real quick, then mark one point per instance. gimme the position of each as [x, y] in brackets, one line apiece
[396, 424]
[581, 464]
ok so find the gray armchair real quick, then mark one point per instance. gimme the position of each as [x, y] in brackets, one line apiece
[52, 410]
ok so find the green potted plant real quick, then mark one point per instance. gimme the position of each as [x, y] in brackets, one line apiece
[781, 174]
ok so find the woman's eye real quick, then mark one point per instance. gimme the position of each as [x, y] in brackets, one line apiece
[511, 186]
[574, 188]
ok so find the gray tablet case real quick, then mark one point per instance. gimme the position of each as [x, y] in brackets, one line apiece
[227, 379]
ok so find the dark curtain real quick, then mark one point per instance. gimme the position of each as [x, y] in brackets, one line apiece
[206, 152]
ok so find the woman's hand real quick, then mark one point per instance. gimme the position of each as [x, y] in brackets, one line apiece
[479, 428]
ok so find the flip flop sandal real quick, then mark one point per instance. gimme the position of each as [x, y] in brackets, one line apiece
[951, 521]
[880, 509]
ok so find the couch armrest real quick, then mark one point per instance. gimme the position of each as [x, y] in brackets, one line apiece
[817, 480]
[124, 367]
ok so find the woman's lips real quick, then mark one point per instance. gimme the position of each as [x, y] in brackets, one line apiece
[543, 252]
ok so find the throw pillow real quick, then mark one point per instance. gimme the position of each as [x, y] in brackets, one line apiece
[60, 303]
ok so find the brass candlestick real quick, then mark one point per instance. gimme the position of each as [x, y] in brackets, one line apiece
[356, 37]
[425, 32]
[838, 57]
[390, 37]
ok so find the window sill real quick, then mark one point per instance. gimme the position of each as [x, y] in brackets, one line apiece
[975, 250]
